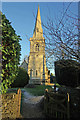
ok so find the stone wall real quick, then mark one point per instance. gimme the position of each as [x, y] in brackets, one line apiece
[10, 107]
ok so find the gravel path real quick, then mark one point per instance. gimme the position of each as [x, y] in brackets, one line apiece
[32, 106]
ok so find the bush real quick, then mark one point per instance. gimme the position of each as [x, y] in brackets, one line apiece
[67, 72]
[21, 79]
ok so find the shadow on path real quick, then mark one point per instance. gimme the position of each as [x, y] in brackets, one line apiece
[32, 106]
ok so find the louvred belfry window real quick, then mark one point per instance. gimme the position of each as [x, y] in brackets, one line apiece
[37, 47]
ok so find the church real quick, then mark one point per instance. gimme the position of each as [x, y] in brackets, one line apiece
[37, 70]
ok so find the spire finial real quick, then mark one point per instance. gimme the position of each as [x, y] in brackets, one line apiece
[38, 8]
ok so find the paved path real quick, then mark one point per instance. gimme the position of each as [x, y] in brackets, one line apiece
[32, 106]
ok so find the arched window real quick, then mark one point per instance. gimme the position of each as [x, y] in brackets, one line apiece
[36, 72]
[31, 73]
[37, 47]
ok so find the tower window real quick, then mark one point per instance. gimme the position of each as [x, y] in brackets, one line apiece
[37, 47]
[36, 72]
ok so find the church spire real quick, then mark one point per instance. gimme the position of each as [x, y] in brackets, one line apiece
[38, 32]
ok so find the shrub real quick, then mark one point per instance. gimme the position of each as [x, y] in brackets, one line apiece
[67, 72]
[21, 79]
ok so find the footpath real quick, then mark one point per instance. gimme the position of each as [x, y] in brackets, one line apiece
[32, 106]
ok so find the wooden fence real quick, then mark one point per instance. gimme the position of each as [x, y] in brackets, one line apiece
[56, 105]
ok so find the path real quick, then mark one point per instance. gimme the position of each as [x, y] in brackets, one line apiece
[32, 106]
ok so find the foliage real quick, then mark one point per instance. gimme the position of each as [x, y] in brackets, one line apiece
[21, 79]
[10, 54]
[67, 72]
[38, 90]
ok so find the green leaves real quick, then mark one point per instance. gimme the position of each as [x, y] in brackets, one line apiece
[21, 79]
[10, 54]
[4, 57]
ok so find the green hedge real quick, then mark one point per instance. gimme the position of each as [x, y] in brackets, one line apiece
[67, 72]
[21, 79]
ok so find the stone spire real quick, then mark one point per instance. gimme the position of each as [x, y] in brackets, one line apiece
[38, 32]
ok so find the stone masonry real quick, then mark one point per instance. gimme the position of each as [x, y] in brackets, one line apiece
[37, 69]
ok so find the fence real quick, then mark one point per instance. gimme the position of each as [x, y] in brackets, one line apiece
[56, 105]
[11, 105]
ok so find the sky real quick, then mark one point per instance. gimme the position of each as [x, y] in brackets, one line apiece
[22, 17]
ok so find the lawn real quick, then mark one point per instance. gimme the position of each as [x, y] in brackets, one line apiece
[38, 90]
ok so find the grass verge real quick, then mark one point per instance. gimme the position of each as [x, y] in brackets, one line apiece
[38, 90]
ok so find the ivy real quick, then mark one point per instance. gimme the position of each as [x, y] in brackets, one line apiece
[10, 54]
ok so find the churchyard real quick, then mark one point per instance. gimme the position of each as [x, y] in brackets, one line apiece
[29, 93]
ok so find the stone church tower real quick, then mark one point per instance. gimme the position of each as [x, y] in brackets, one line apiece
[37, 69]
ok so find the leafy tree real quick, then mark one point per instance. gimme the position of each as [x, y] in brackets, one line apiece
[21, 79]
[10, 54]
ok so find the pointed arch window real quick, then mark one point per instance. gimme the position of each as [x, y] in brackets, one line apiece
[37, 47]
[36, 73]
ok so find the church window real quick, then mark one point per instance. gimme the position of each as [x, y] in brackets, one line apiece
[36, 72]
[31, 73]
[36, 55]
[37, 47]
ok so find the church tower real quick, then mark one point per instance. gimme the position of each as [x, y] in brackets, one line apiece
[37, 69]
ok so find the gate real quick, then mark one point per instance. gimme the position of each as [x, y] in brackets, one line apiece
[56, 105]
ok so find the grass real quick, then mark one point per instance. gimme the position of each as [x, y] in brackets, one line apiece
[38, 90]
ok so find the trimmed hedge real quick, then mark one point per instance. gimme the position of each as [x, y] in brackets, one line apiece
[67, 72]
[21, 79]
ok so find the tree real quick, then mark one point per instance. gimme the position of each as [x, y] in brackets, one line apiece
[10, 54]
[62, 37]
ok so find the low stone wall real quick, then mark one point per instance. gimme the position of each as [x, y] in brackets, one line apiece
[10, 107]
